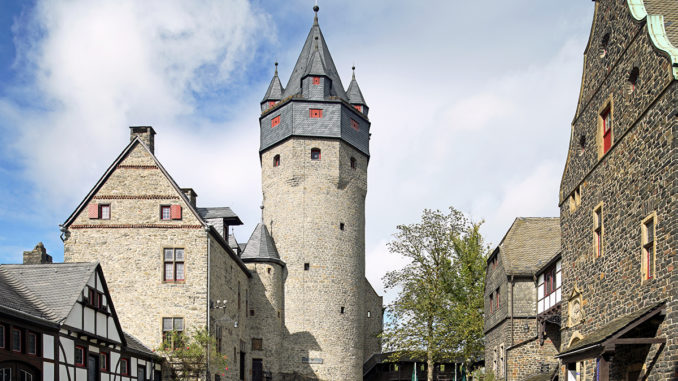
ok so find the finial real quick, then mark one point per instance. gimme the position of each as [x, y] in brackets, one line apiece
[276, 68]
[353, 68]
[262, 213]
[316, 8]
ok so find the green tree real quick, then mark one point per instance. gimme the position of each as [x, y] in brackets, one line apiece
[189, 355]
[434, 315]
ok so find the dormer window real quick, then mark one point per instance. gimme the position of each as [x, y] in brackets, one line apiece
[316, 113]
[315, 154]
[316, 80]
[358, 107]
[271, 104]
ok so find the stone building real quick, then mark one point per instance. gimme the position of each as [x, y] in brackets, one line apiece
[513, 350]
[293, 303]
[618, 200]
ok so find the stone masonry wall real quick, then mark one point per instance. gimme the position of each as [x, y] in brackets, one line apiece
[634, 179]
[374, 321]
[495, 278]
[305, 203]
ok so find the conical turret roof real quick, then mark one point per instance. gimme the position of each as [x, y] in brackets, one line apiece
[275, 89]
[260, 246]
[315, 42]
[355, 96]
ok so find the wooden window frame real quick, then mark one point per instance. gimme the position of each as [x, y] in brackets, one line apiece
[605, 127]
[102, 208]
[173, 262]
[103, 361]
[124, 360]
[180, 332]
[13, 341]
[275, 121]
[257, 344]
[648, 247]
[35, 343]
[83, 358]
[168, 209]
[598, 231]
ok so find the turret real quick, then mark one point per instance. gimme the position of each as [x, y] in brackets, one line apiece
[274, 92]
[355, 96]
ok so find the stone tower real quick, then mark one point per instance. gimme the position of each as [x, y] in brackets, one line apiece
[314, 155]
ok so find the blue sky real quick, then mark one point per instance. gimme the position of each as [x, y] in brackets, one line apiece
[470, 103]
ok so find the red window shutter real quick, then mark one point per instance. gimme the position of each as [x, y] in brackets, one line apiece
[271, 104]
[315, 113]
[358, 107]
[355, 125]
[93, 211]
[175, 212]
[275, 121]
[607, 140]
[316, 80]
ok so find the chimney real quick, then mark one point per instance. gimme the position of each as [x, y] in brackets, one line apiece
[145, 133]
[190, 194]
[38, 256]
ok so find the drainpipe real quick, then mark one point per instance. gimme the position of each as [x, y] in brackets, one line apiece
[512, 340]
[209, 246]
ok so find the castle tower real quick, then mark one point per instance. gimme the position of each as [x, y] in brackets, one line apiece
[314, 155]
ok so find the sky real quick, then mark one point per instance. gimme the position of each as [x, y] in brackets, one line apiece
[470, 102]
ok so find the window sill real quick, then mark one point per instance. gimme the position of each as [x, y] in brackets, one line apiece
[174, 281]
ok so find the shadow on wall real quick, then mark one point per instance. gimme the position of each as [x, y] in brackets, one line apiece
[304, 343]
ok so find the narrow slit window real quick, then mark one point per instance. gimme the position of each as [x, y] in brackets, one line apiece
[633, 79]
[342, 310]
[606, 119]
[31, 343]
[598, 230]
[341, 226]
[315, 154]
[276, 160]
[307, 266]
[354, 164]
[648, 240]
[16, 340]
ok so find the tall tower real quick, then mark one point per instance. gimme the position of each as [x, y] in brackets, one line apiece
[314, 154]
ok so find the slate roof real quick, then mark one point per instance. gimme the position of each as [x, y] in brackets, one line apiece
[275, 89]
[668, 9]
[135, 344]
[529, 243]
[355, 96]
[219, 212]
[51, 288]
[260, 246]
[609, 329]
[17, 298]
[302, 68]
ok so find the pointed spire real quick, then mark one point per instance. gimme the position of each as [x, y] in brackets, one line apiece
[275, 89]
[355, 96]
[260, 246]
[316, 8]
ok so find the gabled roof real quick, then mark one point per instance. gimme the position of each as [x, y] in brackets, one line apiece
[275, 89]
[220, 212]
[261, 247]
[305, 63]
[355, 96]
[528, 244]
[662, 25]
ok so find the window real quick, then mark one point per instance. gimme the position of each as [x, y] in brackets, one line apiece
[501, 359]
[598, 230]
[496, 299]
[251, 312]
[316, 113]
[172, 331]
[603, 45]
[342, 310]
[358, 107]
[633, 80]
[124, 367]
[92, 297]
[492, 302]
[606, 124]
[316, 80]
[275, 121]
[354, 164]
[276, 160]
[271, 104]
[16, 340]
[31, 343]
[549, 288]
[648, 246]
[355, 125]
[165, 212]
[369, 314]
[79, 356]
[105, 211]
[341, 226]
[24, 375]
[103, 362]
[174, 265]
[257, 344]
[315, 154]
[5, 374]
[307, 266]
[2, 336]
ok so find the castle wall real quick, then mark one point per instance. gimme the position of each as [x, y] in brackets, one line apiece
[305, 203]
[374, 319]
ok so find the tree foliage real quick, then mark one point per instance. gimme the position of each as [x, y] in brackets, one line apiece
[438, 313]
[188, 355]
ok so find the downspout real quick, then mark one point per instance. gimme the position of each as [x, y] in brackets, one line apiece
[512, 340]
[209, 246]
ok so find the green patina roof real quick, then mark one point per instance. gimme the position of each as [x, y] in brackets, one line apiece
[662, 25]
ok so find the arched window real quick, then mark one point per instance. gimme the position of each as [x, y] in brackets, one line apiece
[354, 165]
[315, 154]
[633, 79]
[603, 45]
[276, 160]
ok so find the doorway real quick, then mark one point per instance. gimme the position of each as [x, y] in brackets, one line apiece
[257, 370]
[93, 367]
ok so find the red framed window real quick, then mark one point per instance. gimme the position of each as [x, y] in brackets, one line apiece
[316, 80]
[16, 340]
[649, 247]
[315, 154]
[598, 230]
[271, 104]
[492, 302]
[103, 362]
[354, 164]
[173, 265]
[606, 117]
[105, 211]
[92, 297]
[80, 356]
[165, 212]
[275, 121]
[124, 367]
[31, 343]
[496, 298]
[2, 336]
[358, 107]
[355, 125]
[276, 160]
[316, 113]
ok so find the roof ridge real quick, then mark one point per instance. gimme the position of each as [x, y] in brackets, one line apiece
[29, 295]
